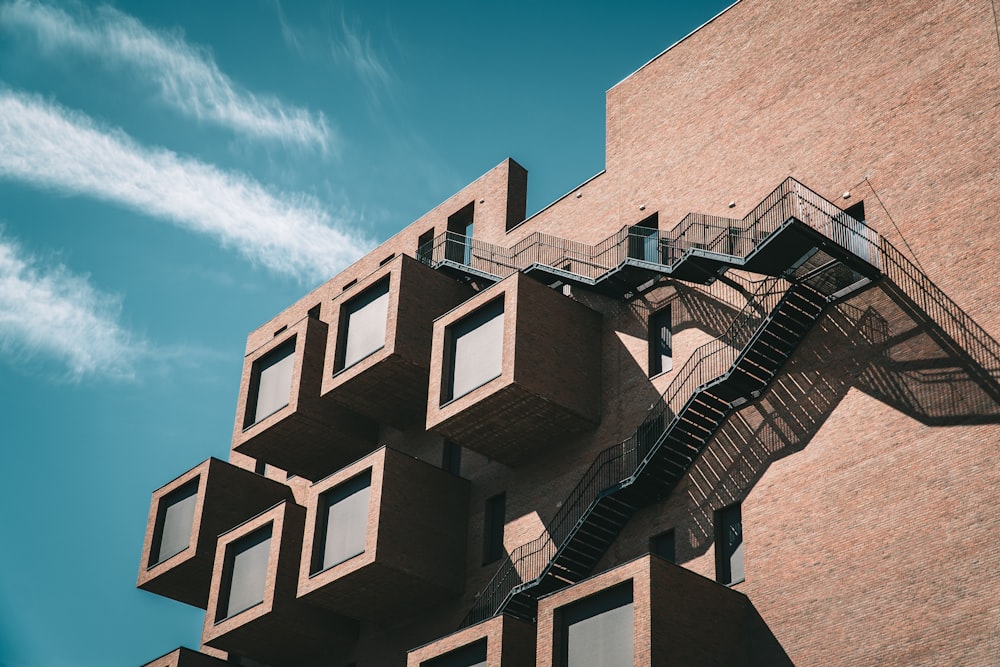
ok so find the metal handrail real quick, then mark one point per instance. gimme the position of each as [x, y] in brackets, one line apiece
[735, 238]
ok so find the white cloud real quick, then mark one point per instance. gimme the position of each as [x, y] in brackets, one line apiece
[49, 146]
[50, 312]
[354, 48]
[187, 77]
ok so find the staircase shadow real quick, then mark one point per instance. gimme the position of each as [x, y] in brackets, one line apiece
[872, 343]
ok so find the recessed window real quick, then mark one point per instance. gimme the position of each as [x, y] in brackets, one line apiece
[342, 523]
[644, 240]
[475, 351]
[663, 545]
[425, 246]
[174, 520]
[472, 655]
[660, 342]
[494, 517]
[729, 545]
[458, 246]
[244, 573]
[271, 382]
[598, 631]
[362, 325]
[451, 458]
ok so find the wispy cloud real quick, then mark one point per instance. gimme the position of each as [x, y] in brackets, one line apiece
[354, 49]
[187, 77]
[49, 146]
[46, 311]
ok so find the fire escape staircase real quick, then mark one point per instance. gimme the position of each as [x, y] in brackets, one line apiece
[815, 256]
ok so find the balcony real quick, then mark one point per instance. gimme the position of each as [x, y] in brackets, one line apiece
[391, 526]
[185, 517]
[253, 611]
[185, 657]
[516, 367]
[501, 641]
[651, 612]
[281, 417]
[379, 350]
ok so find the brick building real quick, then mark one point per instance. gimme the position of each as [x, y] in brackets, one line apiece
[618, 432]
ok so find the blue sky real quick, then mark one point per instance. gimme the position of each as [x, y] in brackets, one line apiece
[174, 174]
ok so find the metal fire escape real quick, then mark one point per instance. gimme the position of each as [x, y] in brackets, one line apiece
[815, 255]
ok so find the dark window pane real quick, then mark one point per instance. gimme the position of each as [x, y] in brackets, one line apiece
[174, 522]
[274, 380]
[660, 342]
[344, 522]
[729, 545]
[476, 350]
[245, 574]
[598, 631]
[663, 545]
[493, 524]
[451, 458]
[473, 655]
[363, 323]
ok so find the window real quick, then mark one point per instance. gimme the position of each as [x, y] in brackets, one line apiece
[644, 240]
[362, 325]
[451, 458]
[174, 520]
[663, 545]
[729, 545]
[425, 247]
[459, 241]
[493, 523]
[598, 631]
[475, 351]
[271, 382]
[472, 655]
[244, 573]
[660, 342]
[342, 522]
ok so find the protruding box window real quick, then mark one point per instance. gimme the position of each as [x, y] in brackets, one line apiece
[660, 342]
[271, 382]
[245, 573]
[598, 631]
[476, 356]
[343, 522]
[729, 546]
[471, 655]
[174, 522]
[363, 325]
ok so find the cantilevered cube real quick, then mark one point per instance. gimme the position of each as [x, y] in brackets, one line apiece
[281, 417]
[253, 611]
[515, 368]
[502, 641]
[650, 612]
[391, 526]
[185, 517]
[185, 657]
[379, 351]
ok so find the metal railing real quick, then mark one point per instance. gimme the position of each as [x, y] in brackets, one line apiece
[706, 236]
[622, 462]
[729, 239]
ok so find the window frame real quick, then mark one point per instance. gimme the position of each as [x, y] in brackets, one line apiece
[379, 288]
[273, 357]
[454, 332]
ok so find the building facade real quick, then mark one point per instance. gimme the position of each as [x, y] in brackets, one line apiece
[618, 432]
